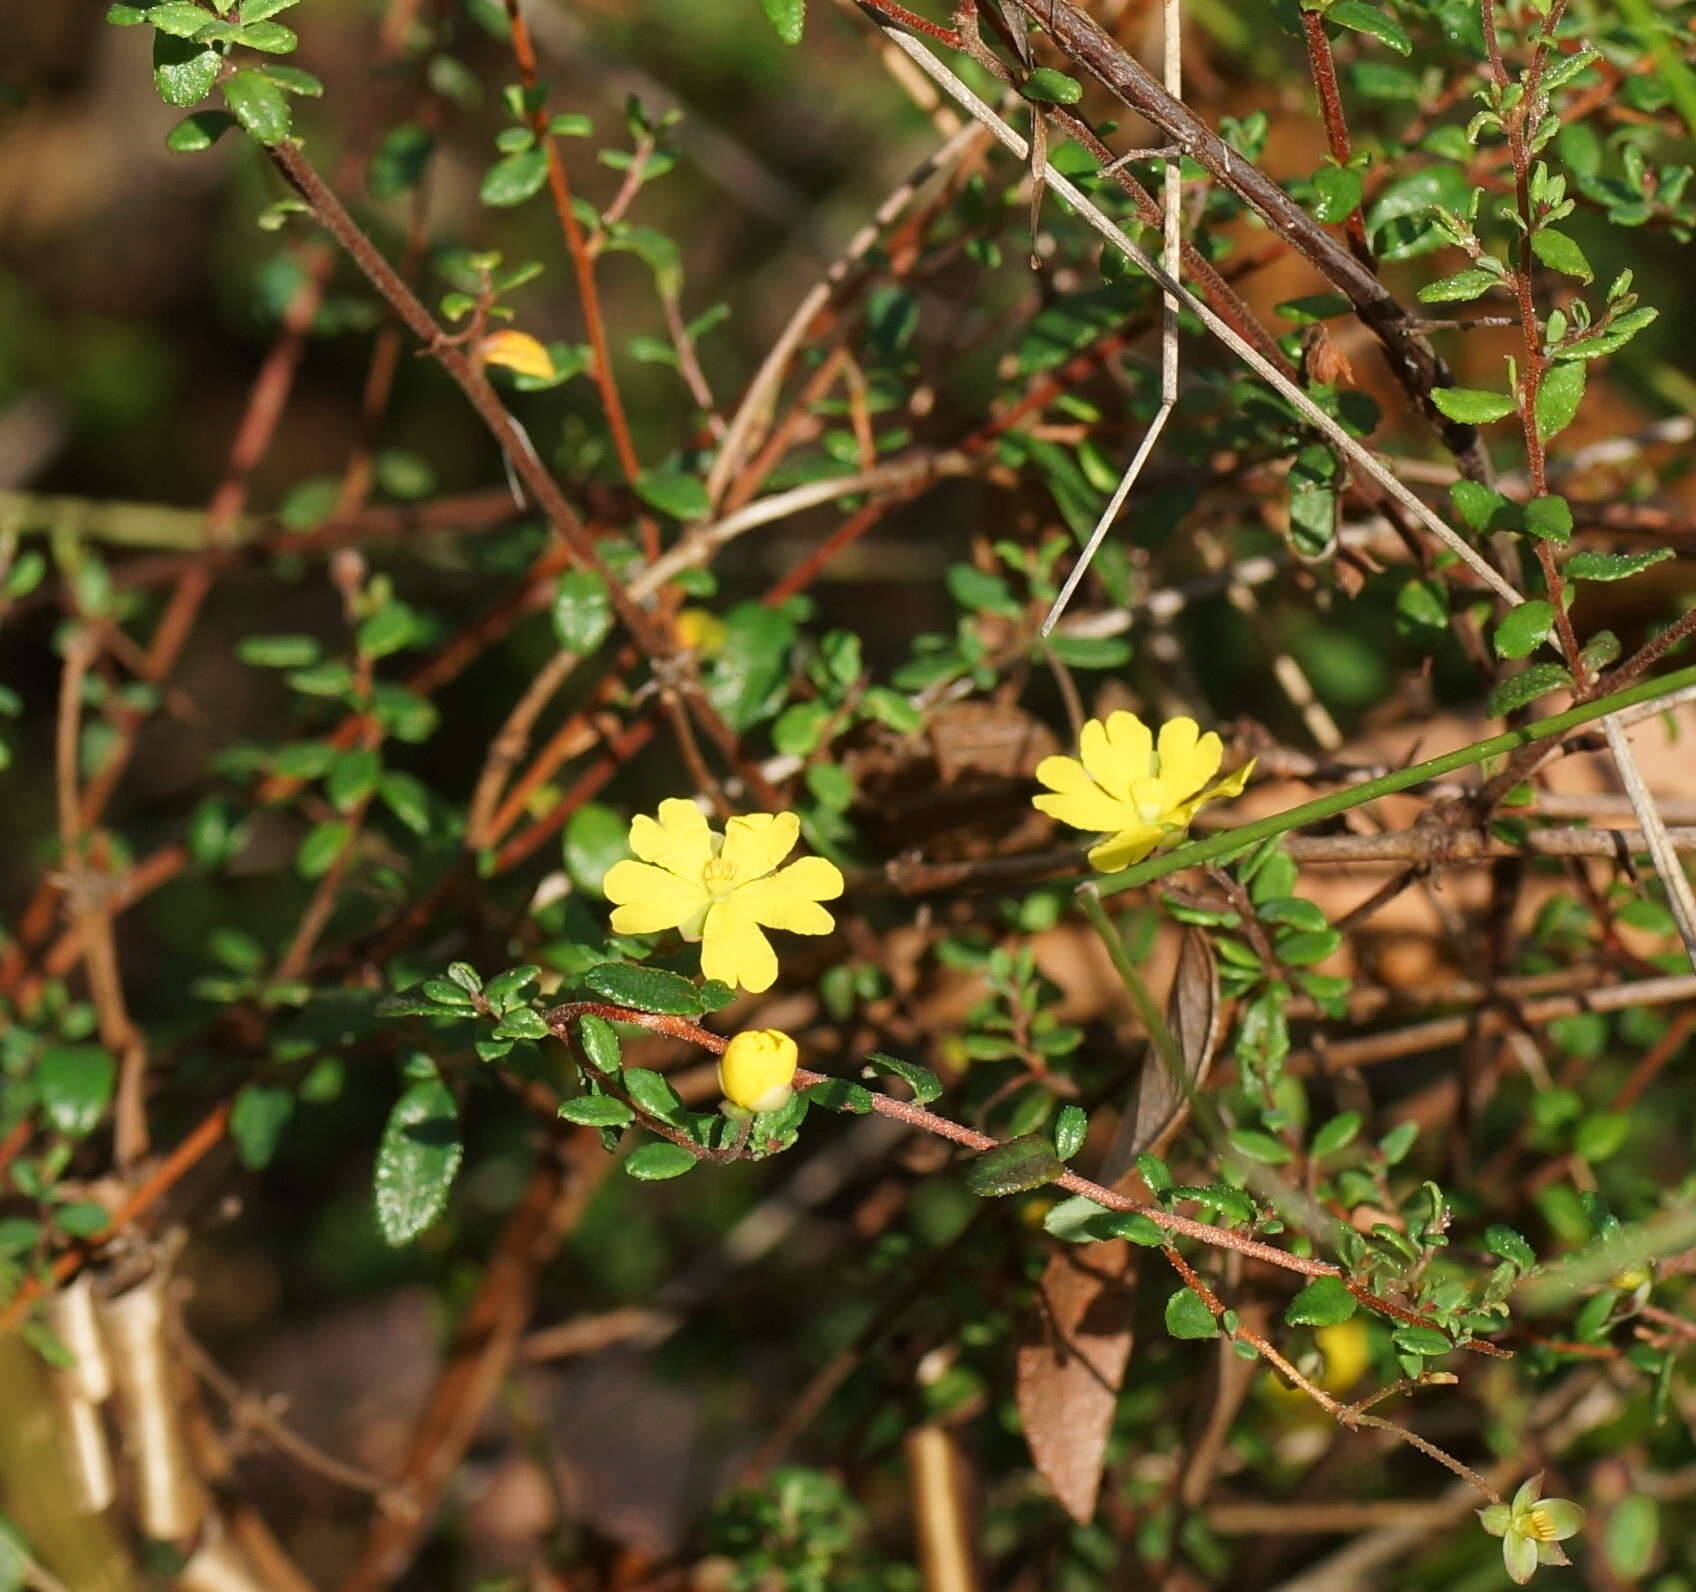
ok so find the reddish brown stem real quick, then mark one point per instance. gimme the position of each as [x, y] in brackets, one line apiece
[1324, 69]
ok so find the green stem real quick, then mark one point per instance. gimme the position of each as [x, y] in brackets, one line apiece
[1340, 801]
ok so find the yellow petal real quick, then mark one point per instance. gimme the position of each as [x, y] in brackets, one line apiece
[1188, 759]
[734, 950]
[1231, 785]
[648, 899]
[790, 898]
[517, 351]
[757, 1069]
[1078, 800]
[757, 842]
[1128, 846]
[1116, 751]
[679, 842]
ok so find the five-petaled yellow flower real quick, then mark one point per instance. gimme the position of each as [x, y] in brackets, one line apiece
[721, 890]
[757, 1069]
[1142, 796]
[1532, 1529]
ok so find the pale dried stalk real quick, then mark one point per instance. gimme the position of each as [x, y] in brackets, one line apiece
[1171, 257]
[1662, 846]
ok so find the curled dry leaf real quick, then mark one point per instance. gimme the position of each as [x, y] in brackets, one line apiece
[1077, 1339]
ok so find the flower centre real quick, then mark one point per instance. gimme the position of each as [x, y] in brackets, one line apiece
[1538, 1524]
[719, 877]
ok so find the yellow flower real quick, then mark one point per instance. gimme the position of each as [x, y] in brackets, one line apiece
[721, 890]
[757, 1068]
[1532, 1529]
[1141, 795]
[700, 630]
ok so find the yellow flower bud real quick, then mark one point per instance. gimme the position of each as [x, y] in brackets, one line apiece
[701, 630]
[757, 1069]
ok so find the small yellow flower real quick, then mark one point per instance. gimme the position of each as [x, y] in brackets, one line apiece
[757, 1069]
[701, 630]
[723, 890]
[1142, 796]
[1532, 1529]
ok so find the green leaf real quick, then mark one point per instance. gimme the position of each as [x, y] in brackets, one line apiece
[924, 1083]
[1020, 1164]
[1549, 519]
[1427, 1342]
[1395, 1144]
[513, 179]
[259, 105]
[506, 990]
[417, 1160]
[75, 1083]
[398, 163]
[393, 628]
[1335, 1135]
[183, 72]
[1602, 1134]
[1559, 396]
[82, 1218]
[799, 726]
[1560, 253]
[597, 1111]
[1305, 947]
[1460, 288]
[1524, 629]
[1616, 334]
[1513, 694]
[319, 850]
[1612, 566]
[595, 838]
[1082, 652]
[1364, 18]
[644, 989]
[293, 79]
[352, 778]
[838, 1094]
[199, 131]
[522, 1023]
[1509, 1245]
[1324, 1302]
[682, 496]
[408, 798]
[257, 1119]
[787, 18]
[1479, 506]
[271, 38]
[1188, 1317]
[259, 10]
[582, 611]
[1050, 87]
[1472, 406]
[1338, 191]
[599, 1040]
[1258, 1146]
[747, 678]
[278, 652]
[180, 18]
[654, 1163]
[1631, 1536]
[1070, 1127]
